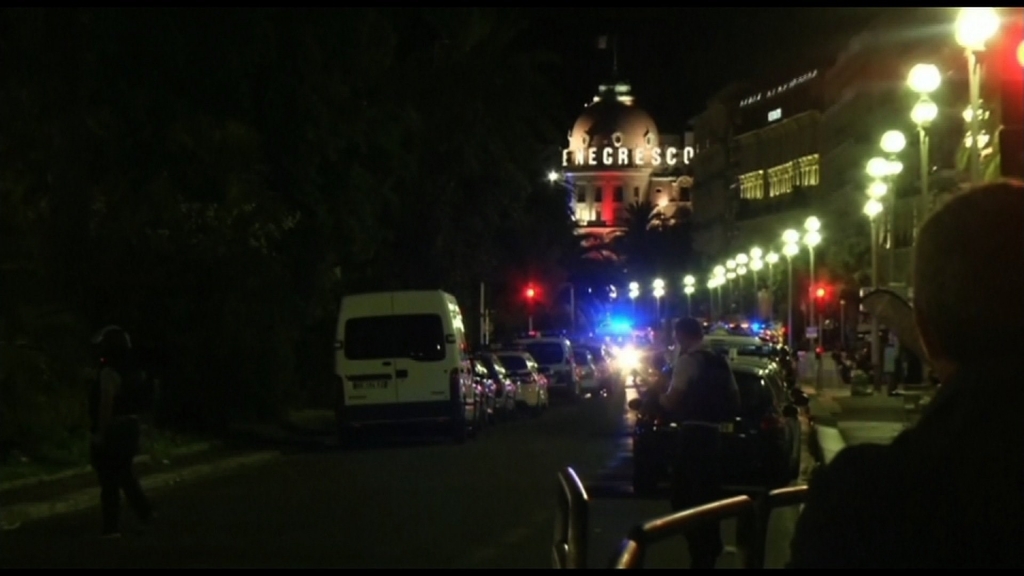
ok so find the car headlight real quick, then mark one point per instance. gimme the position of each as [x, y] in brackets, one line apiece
[629, 359]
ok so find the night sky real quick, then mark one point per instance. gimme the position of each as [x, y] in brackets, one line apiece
[675, 58]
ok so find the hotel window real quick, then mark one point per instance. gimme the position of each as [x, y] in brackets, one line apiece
[581, 194]
[752, 185]
[619, 193]
[809, 170]
[598, 194]
[636, 194]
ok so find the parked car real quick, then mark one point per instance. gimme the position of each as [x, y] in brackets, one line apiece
[607, 377]
[753, 346]
[533, 386]
[506, 391]
[586, 370]
[554, 355]
[487, 390]
[761, 446]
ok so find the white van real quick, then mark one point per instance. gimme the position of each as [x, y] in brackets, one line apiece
[402, 357]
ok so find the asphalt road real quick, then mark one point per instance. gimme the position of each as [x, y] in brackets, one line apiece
[402, 503]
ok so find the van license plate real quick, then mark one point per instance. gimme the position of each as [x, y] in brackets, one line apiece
[725, 427]
[371, 385]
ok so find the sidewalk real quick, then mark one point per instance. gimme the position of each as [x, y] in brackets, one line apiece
[842, 419]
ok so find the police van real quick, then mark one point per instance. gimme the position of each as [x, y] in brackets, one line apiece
[403, 357]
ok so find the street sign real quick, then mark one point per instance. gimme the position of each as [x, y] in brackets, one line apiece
[812, 332]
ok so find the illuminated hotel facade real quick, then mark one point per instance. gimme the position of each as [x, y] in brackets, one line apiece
[617, 158]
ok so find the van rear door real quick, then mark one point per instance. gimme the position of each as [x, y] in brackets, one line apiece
[422, 363]
[368, 352]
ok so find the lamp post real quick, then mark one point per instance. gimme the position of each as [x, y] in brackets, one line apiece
[790, 249]
[712, 283]
[755, 266]
[812, 237]
[872, 209]
[688, 289]
[974, 27]
[755, 256]
[771, 258]
[718, 273]
[924, 79]
[741, 270]
[892, 143]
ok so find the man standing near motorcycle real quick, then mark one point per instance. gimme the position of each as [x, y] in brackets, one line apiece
[702, 395]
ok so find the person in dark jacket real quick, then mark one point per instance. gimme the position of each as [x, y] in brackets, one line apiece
[949, 492]
[114, 406]
[702, 395]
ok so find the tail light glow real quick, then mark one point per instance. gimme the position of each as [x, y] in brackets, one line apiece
[770, 423]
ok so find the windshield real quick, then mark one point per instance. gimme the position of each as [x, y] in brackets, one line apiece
[546, 353]
[581, 356]
[755, 397]
[514, 363]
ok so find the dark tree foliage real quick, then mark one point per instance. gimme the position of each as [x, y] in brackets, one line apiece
[216, 181]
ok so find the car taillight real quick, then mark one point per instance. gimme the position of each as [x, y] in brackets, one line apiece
[770, 423]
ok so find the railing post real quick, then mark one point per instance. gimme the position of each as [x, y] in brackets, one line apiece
[569, 549]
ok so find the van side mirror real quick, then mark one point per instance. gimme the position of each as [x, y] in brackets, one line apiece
[634, 404]
[799, 398]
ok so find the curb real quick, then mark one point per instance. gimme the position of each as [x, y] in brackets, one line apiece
[84, 470]
[17, 514]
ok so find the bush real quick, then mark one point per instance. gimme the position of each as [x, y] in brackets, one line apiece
[41, 415]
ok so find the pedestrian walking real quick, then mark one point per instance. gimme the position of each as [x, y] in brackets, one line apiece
[117, 398]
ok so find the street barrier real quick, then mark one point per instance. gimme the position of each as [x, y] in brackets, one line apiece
[752, 515]
[752, 512]
[570, 543]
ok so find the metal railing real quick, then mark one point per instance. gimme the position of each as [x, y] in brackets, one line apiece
[570, 544]
[752, 515]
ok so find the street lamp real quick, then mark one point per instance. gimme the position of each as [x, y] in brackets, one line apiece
[552, 176]
[772, 259]
[688, 289]
[973, 29]
[755, 267]
[893, 142]
[634, 293]
[790, 249]
[811, 239]
[872, 209]
[659, 291]
[924, 79]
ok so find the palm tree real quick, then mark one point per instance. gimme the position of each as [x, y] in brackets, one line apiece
[637, 244]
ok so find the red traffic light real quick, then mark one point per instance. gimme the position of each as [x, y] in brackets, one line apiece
[530, 293]
[820, 293]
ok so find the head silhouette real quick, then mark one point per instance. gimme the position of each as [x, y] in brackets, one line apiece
[969, 278]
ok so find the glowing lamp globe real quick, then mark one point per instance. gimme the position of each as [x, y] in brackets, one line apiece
[924, 112]
[924, 78]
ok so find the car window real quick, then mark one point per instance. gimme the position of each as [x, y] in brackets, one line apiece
[546, 352]
[514, 363]
[495, 367]
[414, 336]
[755, 397]
[581, 356]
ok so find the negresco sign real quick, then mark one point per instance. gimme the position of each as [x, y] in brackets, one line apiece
[626, 157]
